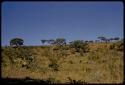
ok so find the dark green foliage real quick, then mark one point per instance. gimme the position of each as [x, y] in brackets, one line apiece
[16, 42]
[79, 46]
[24, 53]
[60, 41]
[13, 54]
[51, 41]
[102, 38]
[43, 41]
[66, 47]
[28, 56]
[8, 55]
[116, 38]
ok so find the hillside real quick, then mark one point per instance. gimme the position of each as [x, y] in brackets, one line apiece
[101, 63]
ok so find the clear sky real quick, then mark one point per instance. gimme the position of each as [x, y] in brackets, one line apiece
[33, 21]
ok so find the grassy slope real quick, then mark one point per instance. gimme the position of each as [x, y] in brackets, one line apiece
[99, 65]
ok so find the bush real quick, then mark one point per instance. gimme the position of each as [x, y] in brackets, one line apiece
[71, 81]
[79, 46]
[60, 41]
[65, 47]
[54, 66]
[8, 55]
[14, 54]
[119, 46]
[16, 42]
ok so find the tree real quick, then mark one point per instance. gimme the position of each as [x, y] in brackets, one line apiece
[102, 38]
[116, 38]
[108, 40]
[119, 45]
[86, 41]
[91, 41]
[43, 41]
[60, 41]
[16, 42]
[79, 45]
[111, 39]
[51, 41]
[71, 42]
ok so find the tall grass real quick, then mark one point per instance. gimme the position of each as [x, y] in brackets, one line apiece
[102, 63]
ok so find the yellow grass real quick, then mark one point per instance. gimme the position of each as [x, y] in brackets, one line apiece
[99, 65]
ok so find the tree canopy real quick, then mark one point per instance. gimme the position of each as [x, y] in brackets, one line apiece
[60, 41]
[79, 45]
[43, 41]
[16, 42]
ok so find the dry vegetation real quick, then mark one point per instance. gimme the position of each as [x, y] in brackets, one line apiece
[103, 63]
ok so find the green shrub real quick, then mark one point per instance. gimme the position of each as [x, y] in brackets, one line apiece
[8, 54]
[79, 45]
[13, 54]
[16, 42]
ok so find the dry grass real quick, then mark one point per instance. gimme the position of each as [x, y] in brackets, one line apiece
[99, 65]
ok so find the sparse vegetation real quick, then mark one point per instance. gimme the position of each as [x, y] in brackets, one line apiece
[80, 46]
[75, 63]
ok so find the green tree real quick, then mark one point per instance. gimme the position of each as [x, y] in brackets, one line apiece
[79, 45]
[51, 41]
[102, 38]
[16, 42]
[60, 41]
[116, 38]
[111, 39]
[43, 41]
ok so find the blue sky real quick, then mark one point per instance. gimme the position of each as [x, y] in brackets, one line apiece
[33, 21]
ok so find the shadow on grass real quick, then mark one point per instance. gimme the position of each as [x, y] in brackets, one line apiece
[28, 80]
[25, 80]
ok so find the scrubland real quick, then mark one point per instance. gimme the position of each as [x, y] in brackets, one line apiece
[101, 63]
